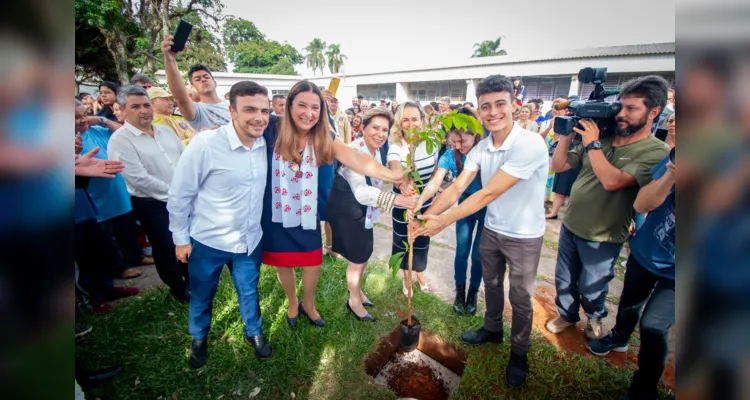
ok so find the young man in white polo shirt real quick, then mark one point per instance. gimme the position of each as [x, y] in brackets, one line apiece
[215, 205]
[514, 164]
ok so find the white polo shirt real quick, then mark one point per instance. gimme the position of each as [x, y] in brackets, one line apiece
[519, 212]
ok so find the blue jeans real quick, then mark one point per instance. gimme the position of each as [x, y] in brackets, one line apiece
[205, 265]
[464, 230]
[582, 275]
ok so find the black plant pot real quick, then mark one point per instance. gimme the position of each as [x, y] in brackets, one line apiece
[409, 338]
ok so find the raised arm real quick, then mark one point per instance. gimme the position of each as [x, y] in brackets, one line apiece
[175, 82]
[362, 164]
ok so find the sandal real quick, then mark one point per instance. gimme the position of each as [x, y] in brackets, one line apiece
[425, 288]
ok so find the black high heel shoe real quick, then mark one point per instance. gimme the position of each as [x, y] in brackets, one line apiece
[292, 321]
[366, 303]
[318, 322]
[366, 318]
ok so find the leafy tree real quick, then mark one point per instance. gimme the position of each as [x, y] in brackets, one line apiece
[283, 67]
[489, 48]
[335, 58]
[251, 52]
[132, 29]
[432, 134]
[238, 30]
[315, 57]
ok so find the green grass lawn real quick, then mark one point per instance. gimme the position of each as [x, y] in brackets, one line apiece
[147, 335]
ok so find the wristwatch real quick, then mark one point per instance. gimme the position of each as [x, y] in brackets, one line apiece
[594, 145]
[104, 121]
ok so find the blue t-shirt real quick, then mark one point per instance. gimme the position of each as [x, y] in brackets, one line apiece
[653, 245]
[110, 195]
[448, 162]
[85, 209]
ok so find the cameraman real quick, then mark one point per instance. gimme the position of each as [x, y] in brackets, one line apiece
[596, 223]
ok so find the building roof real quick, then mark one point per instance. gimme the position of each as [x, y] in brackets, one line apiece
[565, 54]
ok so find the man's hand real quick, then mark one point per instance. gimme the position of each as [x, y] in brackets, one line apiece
[183, 252]
[435, 224]
[589, 133]
[327, 95]
[166, 48]
[87, 165]
[411, 211]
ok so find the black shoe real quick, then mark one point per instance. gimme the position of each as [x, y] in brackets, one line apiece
[471, 300]
[639, 391]
[98, 376]
[460, 303]
[366, 303]
[518, 367]
[198, 353]
[262, 348]
[366, 318]
[83, 330]
[481, 336]
[291, 321]
[182, 295]
[602, 347]
[318, 322]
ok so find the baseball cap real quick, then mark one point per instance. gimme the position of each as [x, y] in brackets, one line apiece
[157, 93]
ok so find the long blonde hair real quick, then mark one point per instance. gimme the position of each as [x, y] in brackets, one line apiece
[319, 136]
[397, 135]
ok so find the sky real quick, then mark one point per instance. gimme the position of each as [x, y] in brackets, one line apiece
[388, 35]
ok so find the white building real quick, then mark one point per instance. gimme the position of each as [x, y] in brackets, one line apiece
[546, 76]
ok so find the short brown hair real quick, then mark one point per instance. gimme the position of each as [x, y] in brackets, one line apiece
[245, 88]
[377, 112]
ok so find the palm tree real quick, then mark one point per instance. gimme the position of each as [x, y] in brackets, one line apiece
[489, 48]
[314, 57]
[335, 58]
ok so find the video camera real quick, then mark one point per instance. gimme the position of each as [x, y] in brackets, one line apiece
[595, 108]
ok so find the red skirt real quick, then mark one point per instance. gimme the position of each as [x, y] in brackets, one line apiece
[312, 258]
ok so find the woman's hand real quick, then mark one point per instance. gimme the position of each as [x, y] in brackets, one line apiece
[412, 211]
[407, 189]
[409, 202]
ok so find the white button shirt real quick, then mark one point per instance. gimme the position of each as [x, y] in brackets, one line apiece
[216, 196]
[519, 212]
[149, 161]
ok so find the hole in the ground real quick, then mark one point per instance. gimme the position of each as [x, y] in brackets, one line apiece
[431, 372]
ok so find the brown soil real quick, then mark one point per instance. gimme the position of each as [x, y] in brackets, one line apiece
[430, 344]
[414, 321]
[574, 340]
[417, 380]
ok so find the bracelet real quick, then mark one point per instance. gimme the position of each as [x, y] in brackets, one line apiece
[392, 200]
[379, 202]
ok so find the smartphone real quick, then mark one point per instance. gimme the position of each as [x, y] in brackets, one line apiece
[181, 36]
[661, 134]
[334, 86]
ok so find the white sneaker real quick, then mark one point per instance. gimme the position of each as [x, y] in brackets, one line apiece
[558, 325]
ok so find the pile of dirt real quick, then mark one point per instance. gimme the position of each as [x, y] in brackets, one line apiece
[417, 380]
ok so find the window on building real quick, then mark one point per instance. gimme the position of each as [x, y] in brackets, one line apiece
[279, 92]
[433, 91]
[546, 88]
[375, 93]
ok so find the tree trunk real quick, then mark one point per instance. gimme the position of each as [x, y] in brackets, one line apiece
[410, 236]
[116, 43]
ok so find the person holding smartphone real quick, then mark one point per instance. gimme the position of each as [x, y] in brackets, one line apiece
[212, 111]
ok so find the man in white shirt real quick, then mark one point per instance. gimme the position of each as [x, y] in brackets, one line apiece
[150, 153]
[514, 164]
[212, 111]
[215, 206]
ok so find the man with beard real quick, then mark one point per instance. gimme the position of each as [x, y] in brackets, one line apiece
[599, 213]
[212, 111]
[215, 206]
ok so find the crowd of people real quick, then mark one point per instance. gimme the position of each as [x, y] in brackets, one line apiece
[245, 180]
